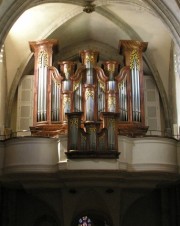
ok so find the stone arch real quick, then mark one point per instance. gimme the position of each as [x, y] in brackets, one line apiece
[31, 209]
[145, 210]
[16, 8]
[95, 206]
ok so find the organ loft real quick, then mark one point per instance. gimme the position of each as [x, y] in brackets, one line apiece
[92, 104]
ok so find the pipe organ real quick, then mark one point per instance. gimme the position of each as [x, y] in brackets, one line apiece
[42, 92]
[92, 104]
[131, 88]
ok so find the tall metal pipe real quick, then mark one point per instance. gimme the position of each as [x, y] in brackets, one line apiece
[139, 104]
[41, 94]
[57, 102]
[133, 97]
[125, 102]
[135, 92]
[38, 96]
[45, 94]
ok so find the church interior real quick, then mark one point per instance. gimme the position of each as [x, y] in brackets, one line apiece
[89, 113]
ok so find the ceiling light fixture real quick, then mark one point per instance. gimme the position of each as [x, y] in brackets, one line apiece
[89, 7]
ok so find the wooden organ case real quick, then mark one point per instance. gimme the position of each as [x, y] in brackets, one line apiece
[91, 104]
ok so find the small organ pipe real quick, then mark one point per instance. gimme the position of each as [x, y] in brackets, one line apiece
[41, 95]
[125, 97]
[45, 93]
[57, 102]
[135, 85]
[132, 85]
[89, 73]
[52, 102]
[38, 96]
[138, 84]
[122, 101]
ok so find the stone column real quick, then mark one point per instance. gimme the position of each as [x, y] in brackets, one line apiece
[3, 88]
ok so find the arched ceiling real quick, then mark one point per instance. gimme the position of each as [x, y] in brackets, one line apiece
[70, 25]
[155, 22]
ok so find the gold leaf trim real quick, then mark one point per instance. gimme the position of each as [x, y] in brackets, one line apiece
[73, 122]
[112, 101]
[66, 100]
[134, 58]
[89, 93]
[43, 57]
[76, 84]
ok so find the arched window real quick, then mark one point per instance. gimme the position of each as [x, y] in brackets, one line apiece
[84, 221]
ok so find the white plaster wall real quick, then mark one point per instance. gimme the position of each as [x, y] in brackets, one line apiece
[92, 164]
[31, 155]
[148, 154]
[125, 145]
[154, 154]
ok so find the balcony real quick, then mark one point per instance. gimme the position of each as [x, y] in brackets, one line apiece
[28, 155]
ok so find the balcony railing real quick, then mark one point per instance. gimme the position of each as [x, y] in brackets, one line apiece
[27, 133]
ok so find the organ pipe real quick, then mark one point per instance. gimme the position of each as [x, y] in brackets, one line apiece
[123, 100]
[89, 59]
[89, 89]
[132, 52]
[67, 71]
[112, 93]
[43, 59]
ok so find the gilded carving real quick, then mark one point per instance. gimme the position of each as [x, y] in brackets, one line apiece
[111, 101]
[92, 129]
[58, 83]
[89, 58]
[101, 84]
[83, 138]
[76, 83]
[43, 59]
[111, 67]
[111, 122]
[134, 58]
[89, 93]
[67, 71]
[102, 138]
[122, 84]
[66, 100]
[73, 122]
